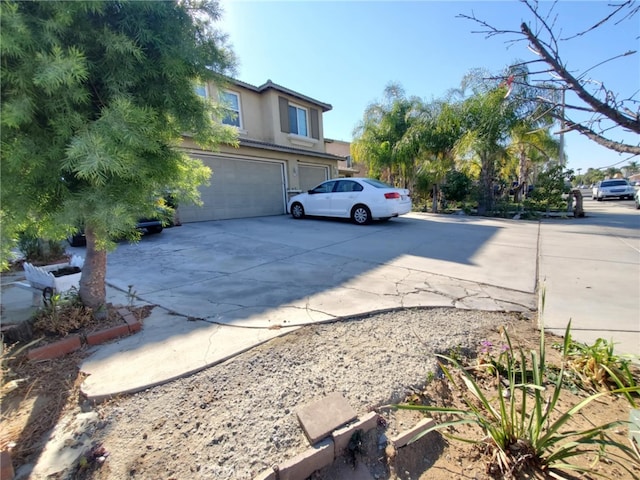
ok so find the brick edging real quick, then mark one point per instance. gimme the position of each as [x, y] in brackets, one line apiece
[324, 453]
[73, 343]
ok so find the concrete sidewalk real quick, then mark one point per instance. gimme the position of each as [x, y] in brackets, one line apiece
[590, 274]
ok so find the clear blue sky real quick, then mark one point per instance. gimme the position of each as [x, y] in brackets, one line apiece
[346, 52]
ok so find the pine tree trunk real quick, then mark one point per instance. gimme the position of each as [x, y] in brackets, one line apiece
[92, 281]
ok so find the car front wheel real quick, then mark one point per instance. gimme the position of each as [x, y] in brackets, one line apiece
[361, 215]
[297, 211]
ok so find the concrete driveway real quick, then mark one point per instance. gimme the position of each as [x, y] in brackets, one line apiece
[278, 271]
[272, 274]
[227, 286]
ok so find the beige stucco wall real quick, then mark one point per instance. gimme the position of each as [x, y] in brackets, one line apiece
[338, 147]
[260, 118]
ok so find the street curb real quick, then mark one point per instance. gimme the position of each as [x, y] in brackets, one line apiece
[320, 455]
[73, 343]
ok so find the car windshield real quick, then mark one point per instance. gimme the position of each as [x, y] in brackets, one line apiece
[613, 183]
[376, 183]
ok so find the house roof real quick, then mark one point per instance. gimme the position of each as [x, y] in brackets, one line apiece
[248, 142]
[269, 85]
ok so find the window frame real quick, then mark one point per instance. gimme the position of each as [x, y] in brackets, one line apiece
[299, 108]
[225, 105]
[204, 87]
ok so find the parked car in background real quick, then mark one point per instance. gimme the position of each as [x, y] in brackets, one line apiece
[361, 199]
[614, 188]
[148, 225]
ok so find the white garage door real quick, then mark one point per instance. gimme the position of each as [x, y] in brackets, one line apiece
[312, 175]
[239, 188]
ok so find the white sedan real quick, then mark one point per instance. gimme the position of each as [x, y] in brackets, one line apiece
[361, 199]
[616, 187]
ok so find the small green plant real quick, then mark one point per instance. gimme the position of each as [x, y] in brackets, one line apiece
[431, 376]
[131, 295]
[597, 368]
[523, 429]
[64, 313]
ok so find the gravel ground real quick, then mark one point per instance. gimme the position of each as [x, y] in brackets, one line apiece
[236, 419]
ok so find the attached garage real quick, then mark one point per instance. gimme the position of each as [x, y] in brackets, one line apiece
[312, 175]
[239, 188]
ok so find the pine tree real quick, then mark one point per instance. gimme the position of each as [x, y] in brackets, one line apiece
[96, 98]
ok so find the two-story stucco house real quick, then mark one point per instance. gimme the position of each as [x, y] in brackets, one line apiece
[282, 152]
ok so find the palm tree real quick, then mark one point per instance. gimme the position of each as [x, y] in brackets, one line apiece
[529, 145]
[487, 121]
[378, 139]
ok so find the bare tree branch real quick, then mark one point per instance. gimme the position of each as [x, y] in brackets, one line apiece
[601, 22]
[574, 84]
[599, 139]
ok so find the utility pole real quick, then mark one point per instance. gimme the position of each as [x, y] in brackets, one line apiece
[561, 159]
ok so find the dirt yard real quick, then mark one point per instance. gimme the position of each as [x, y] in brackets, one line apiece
[237, 419]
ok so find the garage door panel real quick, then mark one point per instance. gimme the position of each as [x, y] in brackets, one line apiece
[239, 188]
[311, 175]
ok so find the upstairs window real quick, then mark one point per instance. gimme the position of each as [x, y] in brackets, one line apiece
[298, 120]
[231, 101]
[201, 91]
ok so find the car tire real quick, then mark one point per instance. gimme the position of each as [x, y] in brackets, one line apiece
[297, 211]
[361, 215]
[77, 240]
[599, 199]
[156, 229]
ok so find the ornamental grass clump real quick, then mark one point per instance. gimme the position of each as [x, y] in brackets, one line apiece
[523, 428]
[596, 367]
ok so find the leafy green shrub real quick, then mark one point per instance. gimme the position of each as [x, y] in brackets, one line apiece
[522, 428]
[551, 184]
[457, 186]
[38, 250]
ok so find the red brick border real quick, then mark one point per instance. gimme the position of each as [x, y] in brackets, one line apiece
[6, 467]
[96, 338]
[74, 342]
[56, 349]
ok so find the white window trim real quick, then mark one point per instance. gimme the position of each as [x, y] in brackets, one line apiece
[301, 140]
[241, 126]
[307, 120]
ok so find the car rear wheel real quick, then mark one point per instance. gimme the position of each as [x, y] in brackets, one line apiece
[297, 211]
[361, 215]
[77, 240]
[155, 229]
[599, 199]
